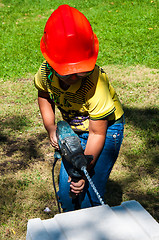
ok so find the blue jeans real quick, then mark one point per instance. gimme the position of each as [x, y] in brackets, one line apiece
[99, 174]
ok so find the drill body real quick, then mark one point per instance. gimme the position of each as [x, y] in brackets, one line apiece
[71, 149]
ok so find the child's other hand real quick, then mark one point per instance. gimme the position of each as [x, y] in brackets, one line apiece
[77, 187]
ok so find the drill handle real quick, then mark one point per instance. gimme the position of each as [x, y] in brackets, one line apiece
[75, 175]
[72, 194]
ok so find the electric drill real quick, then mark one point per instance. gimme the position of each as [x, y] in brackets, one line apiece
[71, 149]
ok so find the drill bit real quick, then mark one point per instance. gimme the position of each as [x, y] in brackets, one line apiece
[92, 185]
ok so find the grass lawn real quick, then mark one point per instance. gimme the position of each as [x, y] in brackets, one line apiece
[128, 37]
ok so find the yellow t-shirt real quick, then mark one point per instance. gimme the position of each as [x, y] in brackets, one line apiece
[90, 98]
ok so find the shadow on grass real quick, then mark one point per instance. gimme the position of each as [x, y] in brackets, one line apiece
[27, 150]
[20, 151]
[143, 163]
[146, 123]
[114, 192]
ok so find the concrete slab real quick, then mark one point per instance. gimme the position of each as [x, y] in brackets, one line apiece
[129, 221]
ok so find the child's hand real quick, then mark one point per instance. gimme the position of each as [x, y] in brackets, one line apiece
[77, 187]
[53, 138]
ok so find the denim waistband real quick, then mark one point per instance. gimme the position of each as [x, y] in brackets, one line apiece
[120, 120]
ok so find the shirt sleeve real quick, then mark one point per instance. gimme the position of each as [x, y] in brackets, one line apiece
[40, 78]
[101, 104]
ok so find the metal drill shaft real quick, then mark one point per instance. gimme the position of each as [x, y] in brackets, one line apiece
[92, 185]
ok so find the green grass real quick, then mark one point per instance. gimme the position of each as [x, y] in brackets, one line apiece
[127, 32]
[128, 37]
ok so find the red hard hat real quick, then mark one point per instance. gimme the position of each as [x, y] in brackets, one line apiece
[69, 44]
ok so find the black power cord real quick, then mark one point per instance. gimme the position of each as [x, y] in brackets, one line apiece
[53, 180]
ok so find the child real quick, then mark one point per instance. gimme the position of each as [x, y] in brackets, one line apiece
[70, 79]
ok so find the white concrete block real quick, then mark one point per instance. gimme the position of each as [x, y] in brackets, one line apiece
[129, 221]
[143, 218]
[36, 230]
[95, 223]
[53, 229]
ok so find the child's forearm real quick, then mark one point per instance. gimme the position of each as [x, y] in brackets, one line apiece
[47, 109]
[96, 139]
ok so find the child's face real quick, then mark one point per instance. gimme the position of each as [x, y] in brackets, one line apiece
[73, 78]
